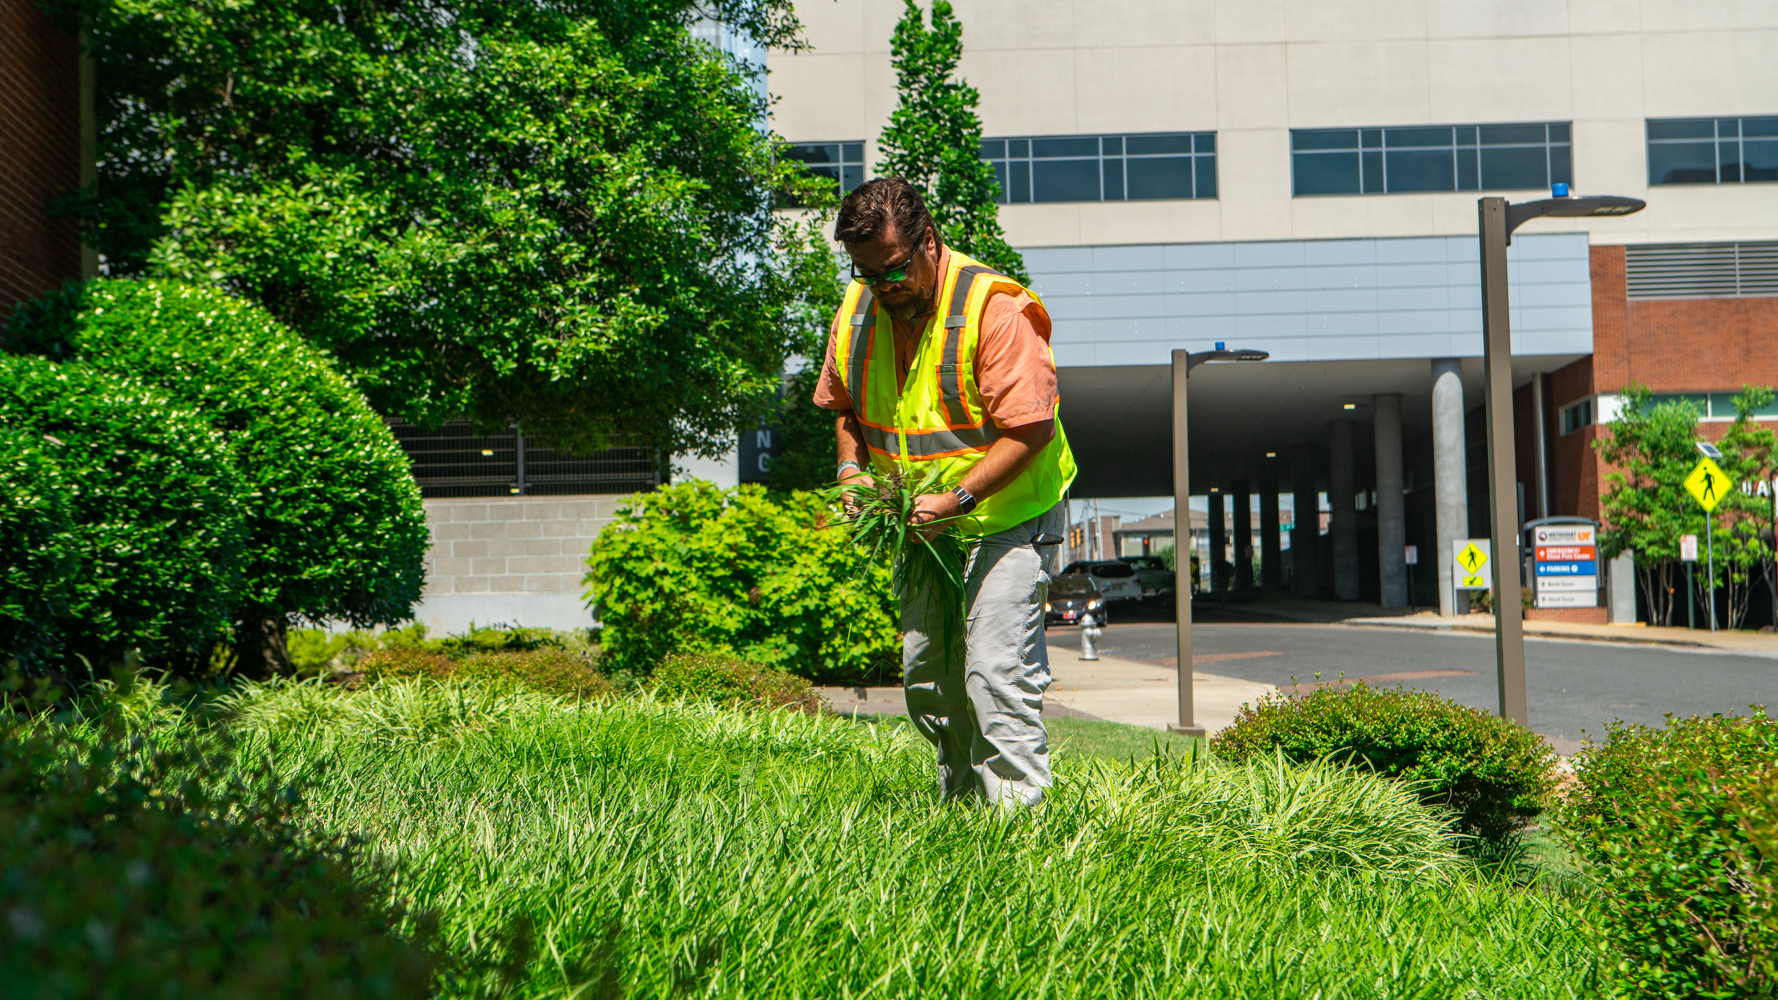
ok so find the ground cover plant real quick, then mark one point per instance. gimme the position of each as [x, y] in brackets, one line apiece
[1679, 826]
[135, 868]
[642, 847]
[1489, 773]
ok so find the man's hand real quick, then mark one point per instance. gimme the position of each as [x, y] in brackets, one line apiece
[932, 512]
[857, 482]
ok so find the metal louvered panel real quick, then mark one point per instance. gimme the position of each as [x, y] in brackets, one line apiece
[1701, 270]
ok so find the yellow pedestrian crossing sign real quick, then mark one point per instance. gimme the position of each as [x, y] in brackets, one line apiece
[1707, 483]
[1468, 557]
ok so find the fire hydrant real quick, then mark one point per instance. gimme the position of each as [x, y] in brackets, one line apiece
[1089, 632]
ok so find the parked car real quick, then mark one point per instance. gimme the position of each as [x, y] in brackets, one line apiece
[1072, 597]
[1115, 578]
[1156, 579]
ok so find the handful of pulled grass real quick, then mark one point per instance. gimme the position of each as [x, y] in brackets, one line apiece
[877, 522]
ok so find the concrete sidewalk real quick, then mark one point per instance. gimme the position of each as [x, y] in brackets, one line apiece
[1763, 644]
[1108, 689]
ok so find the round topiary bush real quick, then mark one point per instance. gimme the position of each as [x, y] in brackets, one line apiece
[1491, 773]
[335, 528]
[121, 526]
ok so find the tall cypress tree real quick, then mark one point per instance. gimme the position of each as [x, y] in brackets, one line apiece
[934, 138]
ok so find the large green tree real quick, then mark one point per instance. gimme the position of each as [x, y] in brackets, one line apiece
[934, 137]
[555, 211]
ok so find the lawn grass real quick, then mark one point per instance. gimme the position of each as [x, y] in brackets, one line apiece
[1111, 741]
[643, 849]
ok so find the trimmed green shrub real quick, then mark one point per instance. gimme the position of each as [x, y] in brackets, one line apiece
[1492, 774]
[151, 874]
[406, 661]
[122, 527]
[728, 681]
[335, 529]
[692, 567]
[1679, 826]
[555, 671]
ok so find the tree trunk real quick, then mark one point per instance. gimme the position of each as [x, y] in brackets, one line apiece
[260, 648]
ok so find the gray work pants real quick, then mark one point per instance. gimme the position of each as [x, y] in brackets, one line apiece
[978, 701]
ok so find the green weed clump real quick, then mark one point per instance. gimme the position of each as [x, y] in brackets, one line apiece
[725, 680]
[134, 869]
[639, 847]
[1679, 826]
[1491, 774]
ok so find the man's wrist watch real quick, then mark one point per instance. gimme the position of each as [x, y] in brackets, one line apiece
[966, 501]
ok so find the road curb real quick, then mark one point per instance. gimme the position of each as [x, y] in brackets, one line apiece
[1489, 630]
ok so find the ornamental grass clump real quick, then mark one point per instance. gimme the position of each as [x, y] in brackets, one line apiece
[877, 522]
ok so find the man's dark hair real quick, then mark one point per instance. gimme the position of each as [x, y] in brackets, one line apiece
[872, 205]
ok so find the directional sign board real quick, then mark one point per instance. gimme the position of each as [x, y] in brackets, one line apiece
[1707, 484]
[1469, 561]
[1566, 560]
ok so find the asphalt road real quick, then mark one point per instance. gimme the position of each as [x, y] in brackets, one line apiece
[1574, 688]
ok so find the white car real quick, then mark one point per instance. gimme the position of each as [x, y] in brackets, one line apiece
[1115, 580]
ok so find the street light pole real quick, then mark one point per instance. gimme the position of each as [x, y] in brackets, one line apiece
[1183, 363]
[1503, 494]
[1496, 223]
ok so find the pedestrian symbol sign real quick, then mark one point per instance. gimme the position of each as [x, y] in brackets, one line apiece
[1469, 557]
[1707, 484]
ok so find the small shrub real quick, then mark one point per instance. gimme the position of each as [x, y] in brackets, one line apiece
[730, 681]
[404, 661]
[122, 524]
[555, 671]
[1680, 828]
[335, 529]
[504, 639]
[694, 567]
[1492, 774]
[149, 874]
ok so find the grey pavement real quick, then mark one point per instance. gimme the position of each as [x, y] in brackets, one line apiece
[1574, 688]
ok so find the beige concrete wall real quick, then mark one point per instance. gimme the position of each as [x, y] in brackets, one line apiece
[515, 561]
[1253, 69]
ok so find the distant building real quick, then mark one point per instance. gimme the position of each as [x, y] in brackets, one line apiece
[1302, 179]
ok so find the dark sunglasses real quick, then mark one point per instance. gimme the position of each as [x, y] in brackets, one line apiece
[890, 274]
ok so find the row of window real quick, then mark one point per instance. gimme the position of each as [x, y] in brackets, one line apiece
[1710, 406]
[1179, 165]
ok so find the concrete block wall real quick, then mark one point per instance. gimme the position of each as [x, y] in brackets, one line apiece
[516, 561]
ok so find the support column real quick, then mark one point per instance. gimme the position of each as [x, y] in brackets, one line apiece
[1342, 497]
[1219, 580]
[1243, 502]
[1305, 536]
[1450, 475]
[1271, 550]
[1392, 515]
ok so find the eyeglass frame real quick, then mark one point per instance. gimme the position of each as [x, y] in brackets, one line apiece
[895, 274]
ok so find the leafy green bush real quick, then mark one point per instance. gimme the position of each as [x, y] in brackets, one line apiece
[315, 651]
[148, 873]
[335, 529]
[1491, 773]
[727, 681]
[1680, 828]
[122, 525]
[692, 567]
[555, 671]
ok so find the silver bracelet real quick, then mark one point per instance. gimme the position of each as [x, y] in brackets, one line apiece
[840, 473]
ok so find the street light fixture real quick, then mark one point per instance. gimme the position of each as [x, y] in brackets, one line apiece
[1183, 363]
[1497, 220]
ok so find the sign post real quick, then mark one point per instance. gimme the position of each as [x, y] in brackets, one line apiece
[1411, 556]
[1707, 483]
[1688, 554]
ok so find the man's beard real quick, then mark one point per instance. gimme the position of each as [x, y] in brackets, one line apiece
[909, 308]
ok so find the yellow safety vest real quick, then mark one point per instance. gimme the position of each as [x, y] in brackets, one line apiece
[941, 416]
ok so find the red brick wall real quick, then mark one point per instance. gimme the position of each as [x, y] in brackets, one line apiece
[39, 152]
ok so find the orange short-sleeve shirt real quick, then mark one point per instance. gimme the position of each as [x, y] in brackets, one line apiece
[1013, 368]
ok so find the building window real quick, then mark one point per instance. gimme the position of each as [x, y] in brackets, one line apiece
[1712, 150]
[842, 161]
[1577, 415]
[1711, 405]
[1430, 158]
[1701, 270]
[1104, 167]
